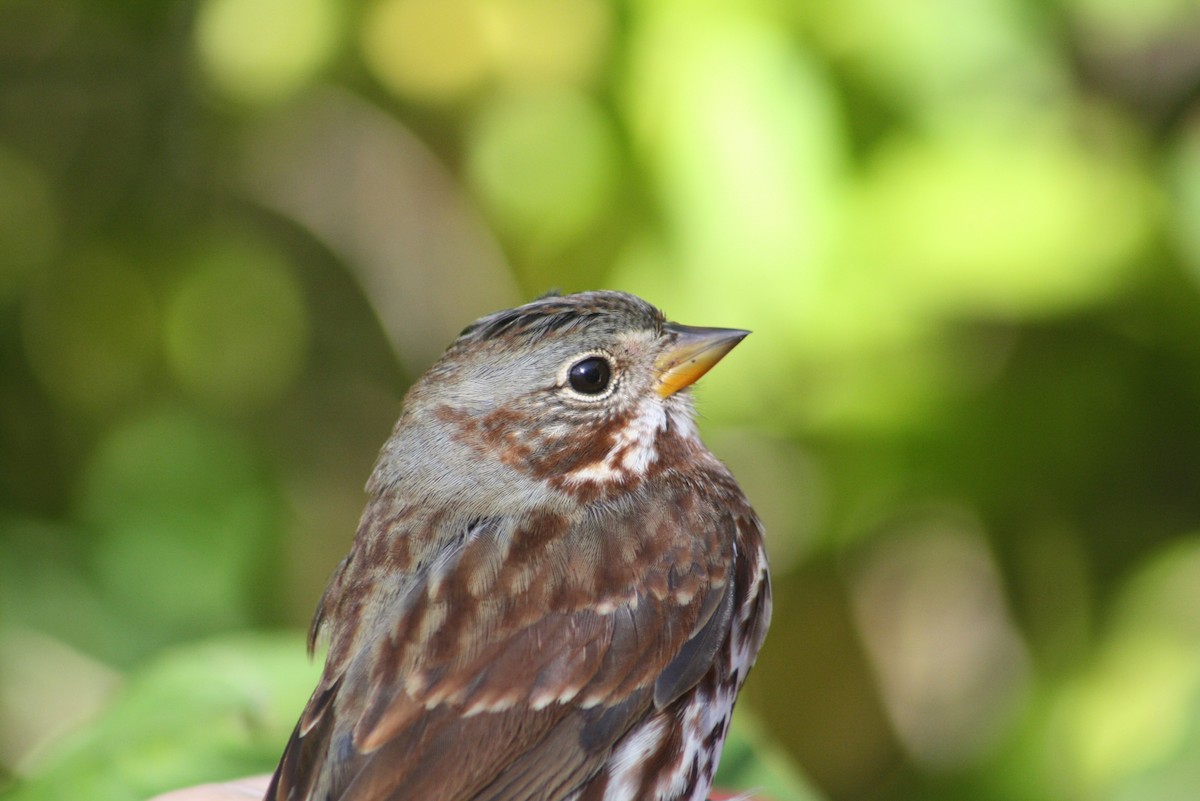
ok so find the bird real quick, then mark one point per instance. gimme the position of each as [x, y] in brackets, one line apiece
[555, 591]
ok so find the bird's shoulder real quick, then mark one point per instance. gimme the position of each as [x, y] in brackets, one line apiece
[547, 624]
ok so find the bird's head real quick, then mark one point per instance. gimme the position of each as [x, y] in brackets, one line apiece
[577, 393]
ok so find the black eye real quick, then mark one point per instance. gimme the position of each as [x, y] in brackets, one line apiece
[590, 376]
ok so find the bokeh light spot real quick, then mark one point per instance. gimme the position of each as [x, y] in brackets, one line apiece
[180, 510]
[549, 41]
[544, 164]
[1017, 225]
[432, 50]
[236, 328]
[260, 51]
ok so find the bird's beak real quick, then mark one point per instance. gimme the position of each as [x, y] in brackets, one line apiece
[692, 354]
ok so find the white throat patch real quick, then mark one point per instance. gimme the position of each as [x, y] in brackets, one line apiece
[633, 450]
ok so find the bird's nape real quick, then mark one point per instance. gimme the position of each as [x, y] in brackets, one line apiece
[556, 591]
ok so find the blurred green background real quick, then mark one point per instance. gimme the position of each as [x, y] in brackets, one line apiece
[966, 235]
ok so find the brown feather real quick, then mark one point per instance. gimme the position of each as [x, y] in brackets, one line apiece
[606, 657]
[484, 647]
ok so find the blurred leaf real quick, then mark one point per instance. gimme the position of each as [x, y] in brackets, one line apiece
[1014, 224]
[183, 516]
[204, 712]
[50, 689]
[753, 764]
[1129, 727]
[933, 57]
[224, 709]
[237, 349]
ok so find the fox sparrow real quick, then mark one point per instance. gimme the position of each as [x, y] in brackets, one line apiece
[555, 592]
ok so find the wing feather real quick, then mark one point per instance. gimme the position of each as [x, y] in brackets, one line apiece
[513, 695]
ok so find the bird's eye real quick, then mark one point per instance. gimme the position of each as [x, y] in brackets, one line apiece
[590, 376]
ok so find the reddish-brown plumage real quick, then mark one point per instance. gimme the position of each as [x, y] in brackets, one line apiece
[554, 594]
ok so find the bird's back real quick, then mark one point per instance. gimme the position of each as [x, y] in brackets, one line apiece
[538, 659]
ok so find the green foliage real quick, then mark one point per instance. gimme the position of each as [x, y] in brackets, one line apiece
[220, 709]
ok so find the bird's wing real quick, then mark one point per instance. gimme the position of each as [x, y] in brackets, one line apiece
[510, 668]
